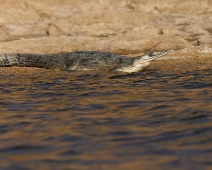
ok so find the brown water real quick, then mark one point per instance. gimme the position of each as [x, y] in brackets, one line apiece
[63, 121]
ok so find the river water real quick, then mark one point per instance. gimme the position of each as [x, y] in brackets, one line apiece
[67, 121]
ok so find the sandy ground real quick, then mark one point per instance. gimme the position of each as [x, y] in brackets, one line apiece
[125, 27]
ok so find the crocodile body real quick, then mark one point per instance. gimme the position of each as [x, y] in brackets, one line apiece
[81, 60]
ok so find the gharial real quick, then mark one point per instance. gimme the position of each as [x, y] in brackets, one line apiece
[81, 60]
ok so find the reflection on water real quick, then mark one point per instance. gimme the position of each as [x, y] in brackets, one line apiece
[58, 120]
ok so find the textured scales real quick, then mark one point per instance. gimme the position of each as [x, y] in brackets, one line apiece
[81, 60]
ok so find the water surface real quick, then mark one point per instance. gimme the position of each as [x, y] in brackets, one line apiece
[150, 120]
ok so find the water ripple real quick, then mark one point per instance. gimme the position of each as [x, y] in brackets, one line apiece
[153, 120]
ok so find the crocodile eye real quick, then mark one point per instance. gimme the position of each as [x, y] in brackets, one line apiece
[92, 52]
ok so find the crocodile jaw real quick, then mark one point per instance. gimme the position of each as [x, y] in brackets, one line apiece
[137, 66]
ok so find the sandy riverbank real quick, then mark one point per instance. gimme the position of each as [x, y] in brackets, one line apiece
[125, 27]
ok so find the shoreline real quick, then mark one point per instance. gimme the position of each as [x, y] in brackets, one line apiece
[175, 62]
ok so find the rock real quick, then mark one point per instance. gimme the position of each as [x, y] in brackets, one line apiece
[126, 27]
[205, 40]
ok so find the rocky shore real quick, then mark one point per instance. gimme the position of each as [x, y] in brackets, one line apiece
[125, 27]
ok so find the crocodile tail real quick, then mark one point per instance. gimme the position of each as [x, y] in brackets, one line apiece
[8, 60]
[31, 60]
